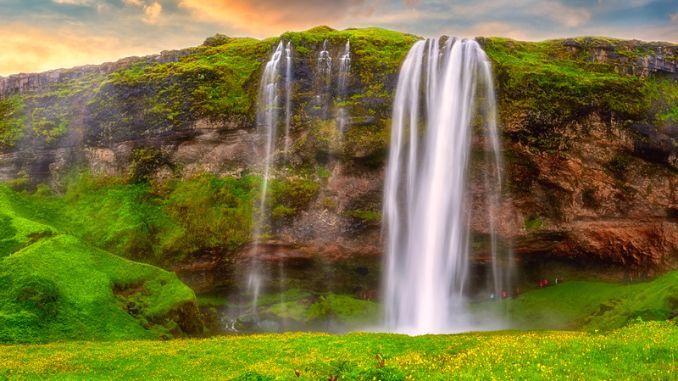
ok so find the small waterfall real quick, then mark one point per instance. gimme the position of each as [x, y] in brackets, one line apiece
[342, 86]
[268, 110]
[288, 94]
[442, 93]
[323, 80]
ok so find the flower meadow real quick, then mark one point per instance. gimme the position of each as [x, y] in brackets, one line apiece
[642, 350]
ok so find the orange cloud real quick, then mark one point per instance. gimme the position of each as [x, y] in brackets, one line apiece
[152, 12]
[271, 17]
[29, 49]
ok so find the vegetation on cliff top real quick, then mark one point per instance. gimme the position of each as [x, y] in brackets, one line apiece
[543, 87]
[55, 287]
[546, 86]
[165, 222]
[640, 351]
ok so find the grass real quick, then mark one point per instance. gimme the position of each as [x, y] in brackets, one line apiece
[640, 351]
[55, 287]
[591, 305]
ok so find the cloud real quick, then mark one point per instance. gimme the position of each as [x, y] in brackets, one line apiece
[36, 49]
[75, 2]
[525, 11]
[269, 17]
[570, 17]
[47, 34]
[152, 12]
[495, 28]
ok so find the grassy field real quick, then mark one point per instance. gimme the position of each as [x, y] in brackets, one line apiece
[644, 351]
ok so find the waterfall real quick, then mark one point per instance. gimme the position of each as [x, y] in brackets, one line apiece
[442, 93]
[288, 94]
[342, 86]
[268, 110]
[323, 80]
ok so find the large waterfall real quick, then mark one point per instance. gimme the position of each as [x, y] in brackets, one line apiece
[444, 92]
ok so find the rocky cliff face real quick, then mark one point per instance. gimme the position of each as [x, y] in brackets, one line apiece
[589, 129]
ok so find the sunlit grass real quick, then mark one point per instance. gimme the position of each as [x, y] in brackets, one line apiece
[640, 351]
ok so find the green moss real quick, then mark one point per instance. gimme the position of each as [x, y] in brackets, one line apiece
[372, 216]
[209, 212]
[216, 81]
[48, 128]
[47, 112]
[309, 308]
[326, 137]
[145, 162]
[216, 40]
[290, 196]
[534, 223]
[549, 86]
[11, 120]
[618, 165]
[369, 143]
[665, 100]
[344, 308]
[166, 221]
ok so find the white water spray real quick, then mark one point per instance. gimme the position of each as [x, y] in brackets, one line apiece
[268, 110]
[342, 86]
[427, 212]
[323, 80]
[288, 94]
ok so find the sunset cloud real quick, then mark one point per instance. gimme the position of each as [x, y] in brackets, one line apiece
[75, 2]
[46, 34]
[268, 17]
[35, 49]
[152, 12]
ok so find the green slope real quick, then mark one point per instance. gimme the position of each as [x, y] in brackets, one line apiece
[590, 305]
[55, 287]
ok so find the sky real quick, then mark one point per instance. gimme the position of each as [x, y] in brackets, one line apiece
[39, 35]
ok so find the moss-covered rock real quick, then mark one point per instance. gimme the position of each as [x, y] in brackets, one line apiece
[55, 287]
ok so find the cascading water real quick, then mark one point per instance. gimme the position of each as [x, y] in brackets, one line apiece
[268, 115]
[288, 94]
[267, 120]
[342, 86]
[442, 93]
[323, 80]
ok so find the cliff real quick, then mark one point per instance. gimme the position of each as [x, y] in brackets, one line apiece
[588, 124]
